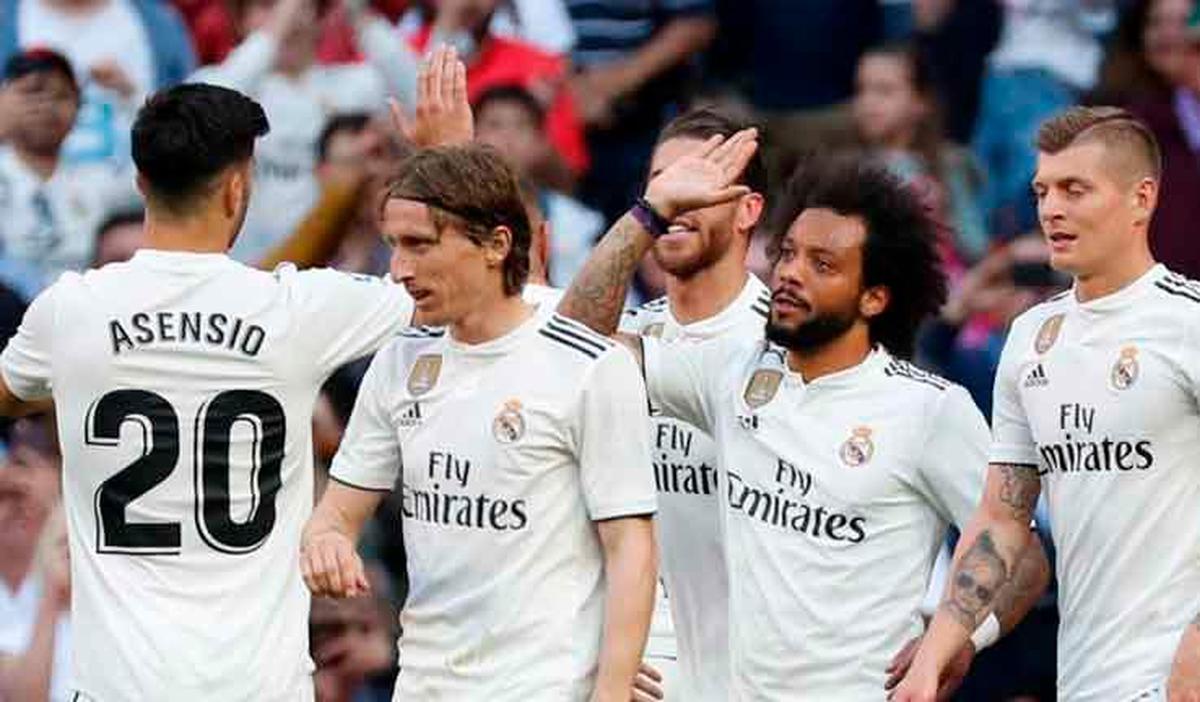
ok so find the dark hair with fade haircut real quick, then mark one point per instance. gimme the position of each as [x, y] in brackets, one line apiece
[705, 122]
[900, 251]
[353, 122]
[515, 94]
[1113, 127]
[184, 136]
[471, 186]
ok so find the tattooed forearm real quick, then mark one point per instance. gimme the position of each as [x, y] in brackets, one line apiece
[597, 295]
[979, 575]
[1029, 579]
[1019, 488]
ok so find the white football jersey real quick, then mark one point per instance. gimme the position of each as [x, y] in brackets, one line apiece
[506, 452]
[184, 385]
[692, 610]
[1102, 397]
[838, 496]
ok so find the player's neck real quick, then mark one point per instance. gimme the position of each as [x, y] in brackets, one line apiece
[707, 293]
[15, 564]
[846, 351]
[192, 234]
[43, 164]
[1123, 271]
[490, 322]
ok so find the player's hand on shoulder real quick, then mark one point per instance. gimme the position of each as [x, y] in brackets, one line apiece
[330, 565]
[646, 686]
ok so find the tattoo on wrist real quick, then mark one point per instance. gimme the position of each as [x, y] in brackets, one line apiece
[976, 582]
[1019, 489]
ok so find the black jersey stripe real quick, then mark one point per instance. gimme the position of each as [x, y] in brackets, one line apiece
[566, 341]
[583, 329]
[1194, 297]
[1180, 283]
[582, 334]
[423, 332]
[915, 379]
[1058, 296]
[908, 369]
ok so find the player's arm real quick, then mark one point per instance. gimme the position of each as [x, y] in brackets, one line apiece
[989, 555]
[1184, 682]
[13, 406]
[701, 179]
[630, 572]
[27, 675]
[329, 561]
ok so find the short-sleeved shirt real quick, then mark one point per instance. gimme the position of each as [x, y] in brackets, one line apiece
[1102, 397]
[690, 534]
[184, 386]
[505, 454]
[838, 494]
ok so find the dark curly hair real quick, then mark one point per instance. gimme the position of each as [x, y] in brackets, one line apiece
[900, 250]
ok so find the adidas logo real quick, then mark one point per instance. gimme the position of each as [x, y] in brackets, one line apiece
[1037, 377]
[412, 416]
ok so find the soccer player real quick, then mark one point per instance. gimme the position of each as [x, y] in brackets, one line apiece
[709, 294]
[1096, 400]
[184, 384]
[520, 445]
[842, 462]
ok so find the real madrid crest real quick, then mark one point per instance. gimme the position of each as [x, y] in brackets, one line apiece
[424, 374]
[1125, 370]
[762, 386]
[509, 424]
[858, 449]
[1048, 334]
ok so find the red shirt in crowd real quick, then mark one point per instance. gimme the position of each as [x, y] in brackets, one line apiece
[502, 61]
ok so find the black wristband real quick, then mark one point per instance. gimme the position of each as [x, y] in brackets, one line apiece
[649, 218]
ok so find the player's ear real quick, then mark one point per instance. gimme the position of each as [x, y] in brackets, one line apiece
[749, 211]
[1145, 199]
[233, 190]
[874, 301]
[497, 247]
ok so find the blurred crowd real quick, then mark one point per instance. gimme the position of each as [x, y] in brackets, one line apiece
[947, 93]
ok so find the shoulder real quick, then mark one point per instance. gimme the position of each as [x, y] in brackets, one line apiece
[917, 379]
[1178, 290]
[638, 320]
[568, 339]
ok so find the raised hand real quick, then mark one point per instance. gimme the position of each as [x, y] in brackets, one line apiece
[703, 178]
[443, 114]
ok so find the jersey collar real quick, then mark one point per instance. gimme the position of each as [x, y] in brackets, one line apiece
[1121, 298]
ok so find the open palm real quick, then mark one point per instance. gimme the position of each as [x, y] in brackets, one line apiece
[703, 178]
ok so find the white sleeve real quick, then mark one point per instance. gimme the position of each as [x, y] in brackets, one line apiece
[343, 316]
[613, 440]
[675, 379]
[369, 455]
[26, 361]
[1012, 440]
[954, 457]
[247, 64]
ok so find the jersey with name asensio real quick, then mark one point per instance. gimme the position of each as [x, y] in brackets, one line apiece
[507, 452]
[1102, 397]
[691, 548]
[838, 496]
[184, 385]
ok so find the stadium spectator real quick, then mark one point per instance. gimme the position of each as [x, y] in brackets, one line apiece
[121, 51]
[633, 62]
[1048, 56]
[1173, 116]
[50, 207]
[512, 120]
[34, 578]
[899, 119]
[543, 23]
[276, 66]
[119, 237]
[353, 644]
[1148, 52]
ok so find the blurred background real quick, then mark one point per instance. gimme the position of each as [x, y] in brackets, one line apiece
[947, 93]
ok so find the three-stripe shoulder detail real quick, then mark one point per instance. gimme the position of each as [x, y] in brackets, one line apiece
[423, 332]
[574, 335]
[762, 305]
[903, 369]
[1179, 286]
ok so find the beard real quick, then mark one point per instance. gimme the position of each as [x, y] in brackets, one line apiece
[811, 334]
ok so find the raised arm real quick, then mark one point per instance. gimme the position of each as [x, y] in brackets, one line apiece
[701, 179]
[988, 575]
